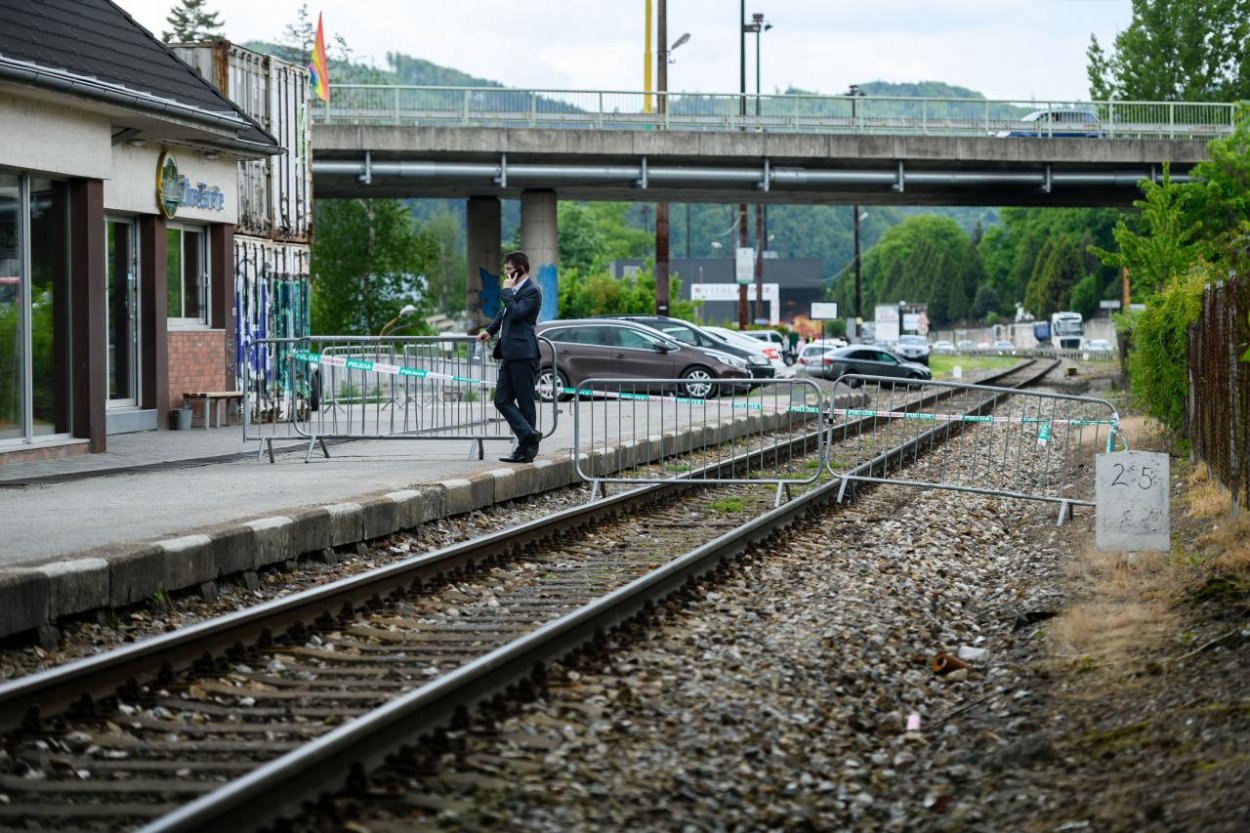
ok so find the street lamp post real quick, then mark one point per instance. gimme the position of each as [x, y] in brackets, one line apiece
[756, 26]
[855, 92]
[759, 25]
[407, 310]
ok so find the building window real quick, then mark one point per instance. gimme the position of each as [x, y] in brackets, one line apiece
[34, 307]
[121, 272]
[186, 273]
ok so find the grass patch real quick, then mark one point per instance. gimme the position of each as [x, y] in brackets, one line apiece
[943, 366]
[728, 504]
[1127, 606]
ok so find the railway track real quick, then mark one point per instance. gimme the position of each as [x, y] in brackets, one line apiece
[231, 723]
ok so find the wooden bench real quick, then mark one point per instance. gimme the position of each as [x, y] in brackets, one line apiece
[214, 401]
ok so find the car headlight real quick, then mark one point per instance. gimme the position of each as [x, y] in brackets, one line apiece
[759, 360]
[730, 360]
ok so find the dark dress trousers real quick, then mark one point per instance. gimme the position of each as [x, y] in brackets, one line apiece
[518, 369]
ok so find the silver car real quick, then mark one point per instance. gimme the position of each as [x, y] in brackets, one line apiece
[913, 348]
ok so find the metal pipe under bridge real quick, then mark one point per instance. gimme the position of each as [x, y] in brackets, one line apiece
[621, 145]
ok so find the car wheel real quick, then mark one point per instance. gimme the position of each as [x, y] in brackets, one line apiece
[698, 383]
[548, 382]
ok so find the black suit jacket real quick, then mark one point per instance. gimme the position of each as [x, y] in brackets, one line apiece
[514, 325]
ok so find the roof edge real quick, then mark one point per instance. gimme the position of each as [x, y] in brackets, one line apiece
[31, 73]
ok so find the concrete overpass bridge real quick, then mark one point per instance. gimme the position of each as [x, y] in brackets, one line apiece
[486, 143]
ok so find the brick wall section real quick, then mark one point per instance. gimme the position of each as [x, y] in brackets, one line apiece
[197, 363]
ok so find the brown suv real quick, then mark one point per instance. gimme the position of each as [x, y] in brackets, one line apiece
[599, 348]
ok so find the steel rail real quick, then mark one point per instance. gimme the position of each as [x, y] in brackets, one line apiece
[321, 767]
[79, 683]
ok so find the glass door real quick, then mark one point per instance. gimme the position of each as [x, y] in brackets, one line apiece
[12, 339]
[122, 327]
[34, 308]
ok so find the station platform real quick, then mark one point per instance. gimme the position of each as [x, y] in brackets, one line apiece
[166, 510]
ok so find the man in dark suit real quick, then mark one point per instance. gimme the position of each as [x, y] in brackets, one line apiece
[518, 367]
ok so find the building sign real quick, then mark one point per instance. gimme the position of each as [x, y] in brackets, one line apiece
[824, 311]
[168, 185]
[173, 190]
[729, 292]
[202, 196]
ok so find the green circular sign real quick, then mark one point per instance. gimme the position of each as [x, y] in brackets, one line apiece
[168, 185]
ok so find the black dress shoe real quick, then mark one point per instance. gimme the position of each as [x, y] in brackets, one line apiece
[530, 446]
[516, 457]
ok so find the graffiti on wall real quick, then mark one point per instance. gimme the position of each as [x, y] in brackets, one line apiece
[271, 301]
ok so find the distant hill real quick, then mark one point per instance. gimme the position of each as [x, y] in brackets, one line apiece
[920, 89]
[400, 69]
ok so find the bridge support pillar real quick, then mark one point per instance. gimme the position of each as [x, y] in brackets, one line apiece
[482, 261]
[540, 242]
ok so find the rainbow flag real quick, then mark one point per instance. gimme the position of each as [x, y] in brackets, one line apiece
[320, 76]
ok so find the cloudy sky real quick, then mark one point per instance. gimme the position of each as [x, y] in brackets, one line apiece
[1014, 49]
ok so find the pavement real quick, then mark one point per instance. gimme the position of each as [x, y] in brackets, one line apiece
[168, 510]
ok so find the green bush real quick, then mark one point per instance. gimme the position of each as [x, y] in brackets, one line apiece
[1157, 360]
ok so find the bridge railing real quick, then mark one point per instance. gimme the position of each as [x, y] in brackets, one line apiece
[630, 110]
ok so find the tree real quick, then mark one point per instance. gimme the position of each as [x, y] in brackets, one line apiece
[447, 273]
[1060, 269]
[1219, 197]
[367, 264]
[1173, 50]
[190, 21]
[1169, 244]
[985, 302]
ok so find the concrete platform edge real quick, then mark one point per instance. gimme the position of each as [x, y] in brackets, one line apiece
[33, 595]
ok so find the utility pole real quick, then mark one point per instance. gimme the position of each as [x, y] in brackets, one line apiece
[742, 114]
[661, 208]
[859, 301]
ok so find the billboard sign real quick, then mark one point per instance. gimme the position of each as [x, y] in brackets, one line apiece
[744, 265]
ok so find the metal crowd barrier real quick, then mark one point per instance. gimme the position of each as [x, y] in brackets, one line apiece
[631, 431]
[1034, 445]
[374, 388]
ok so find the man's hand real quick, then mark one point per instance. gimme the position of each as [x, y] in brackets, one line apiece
[509, 281]
[483, 336]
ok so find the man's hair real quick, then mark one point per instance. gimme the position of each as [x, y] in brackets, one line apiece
[518, 260]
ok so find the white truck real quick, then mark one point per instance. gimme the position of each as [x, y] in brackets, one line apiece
[1067, 329]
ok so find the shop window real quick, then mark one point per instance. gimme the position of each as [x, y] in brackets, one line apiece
[34, 307]
[186, 274]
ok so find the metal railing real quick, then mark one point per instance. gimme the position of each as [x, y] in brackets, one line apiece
[886, 115]
[375, 388]
[1035, 445]
[632, 431]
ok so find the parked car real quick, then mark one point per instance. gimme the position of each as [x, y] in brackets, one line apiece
[943, 346]
[776, 339]
[871, 361]
[964, 344]
[913, 348]
[1058, 124]
[688, 333]
[810, 360]
[1097, 345]
[1003, 346]
[766, 349]
[596, 348]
